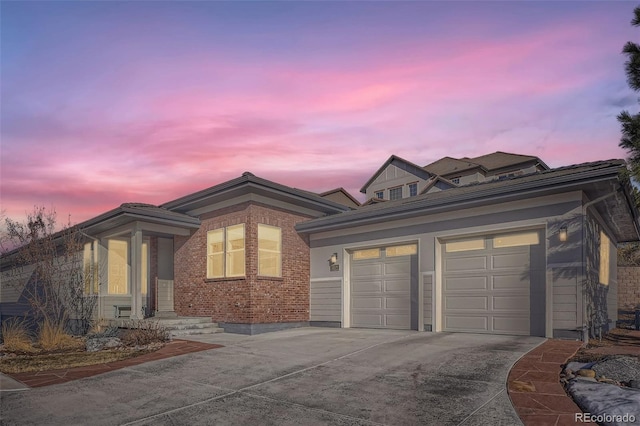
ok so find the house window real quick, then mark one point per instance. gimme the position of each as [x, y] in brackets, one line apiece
[225, 252]
[118, 261]
[604, 258]
[455, 180]
[380, 194]
[269, 251]
[89, 270]
[144, 286]
[395, 193]
[413, 189]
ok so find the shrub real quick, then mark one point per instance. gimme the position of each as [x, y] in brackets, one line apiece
[142, 333]
[109, 331]
[16, 336]
[53, 337]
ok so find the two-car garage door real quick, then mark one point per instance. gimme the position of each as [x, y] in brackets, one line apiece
[490, 284]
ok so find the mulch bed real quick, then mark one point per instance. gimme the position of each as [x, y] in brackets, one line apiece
[46, 378]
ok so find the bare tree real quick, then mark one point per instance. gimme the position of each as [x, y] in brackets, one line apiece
[50, 271]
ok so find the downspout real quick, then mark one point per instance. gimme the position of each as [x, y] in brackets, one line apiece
[585, 328]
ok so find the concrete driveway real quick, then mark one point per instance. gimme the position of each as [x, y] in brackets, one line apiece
[305, 376]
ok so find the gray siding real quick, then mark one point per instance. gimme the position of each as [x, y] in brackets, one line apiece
[325, 300]
[565, 298]
[427, 279]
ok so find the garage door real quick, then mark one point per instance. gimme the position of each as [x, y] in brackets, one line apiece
[487, 283]
[381, 287]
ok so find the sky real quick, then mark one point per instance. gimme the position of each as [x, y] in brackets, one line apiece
[103, 103]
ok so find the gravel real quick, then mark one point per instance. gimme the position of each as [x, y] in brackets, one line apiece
[622, 369]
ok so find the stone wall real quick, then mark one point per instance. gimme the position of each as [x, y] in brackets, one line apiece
[628, 287]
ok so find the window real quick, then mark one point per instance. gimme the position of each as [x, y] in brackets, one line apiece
[413, 189]
[145, 268]
[269, 251]
[515, 240]
[89, 270]
[118, 260]
[465, 245]
[225, 252]
[379, 194]
[395, 193]
[401, 250]
[604, 258]
[366, 254]
[456, 180]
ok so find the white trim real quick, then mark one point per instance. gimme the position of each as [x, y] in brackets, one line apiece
[346, 289]
[318, 280]
[433, 297]
[437, 287]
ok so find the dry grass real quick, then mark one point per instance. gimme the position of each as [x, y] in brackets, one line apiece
[48, 362]
[52, 337]
[144, 333]
[16, 336]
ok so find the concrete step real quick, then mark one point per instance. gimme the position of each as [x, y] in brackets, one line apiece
[196, 331]
[190, 326]
[168, 322]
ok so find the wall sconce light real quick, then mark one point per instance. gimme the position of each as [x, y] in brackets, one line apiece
[563, 234]
[333, 259]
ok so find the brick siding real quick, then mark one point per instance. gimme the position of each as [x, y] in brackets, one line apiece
[628, 287]
[253, 299]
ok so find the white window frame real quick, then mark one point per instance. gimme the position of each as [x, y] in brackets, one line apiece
[412, 185]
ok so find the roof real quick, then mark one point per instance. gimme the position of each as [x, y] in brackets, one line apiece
[401, 163]
[250, 183]
[340, 191]
[488, 162]
[557, 180]
[434, 180]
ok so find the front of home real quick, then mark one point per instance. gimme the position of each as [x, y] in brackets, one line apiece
[493, 244]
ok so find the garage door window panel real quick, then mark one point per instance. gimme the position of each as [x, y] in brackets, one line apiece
[516, 240]
[366, 254]
[465, 245]
[405, 250]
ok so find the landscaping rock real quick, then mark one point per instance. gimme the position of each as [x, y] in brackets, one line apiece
[586, 373]
[621, 369]
[100, 343]
[605, 399]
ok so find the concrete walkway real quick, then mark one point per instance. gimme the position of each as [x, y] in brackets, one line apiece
[302, 376]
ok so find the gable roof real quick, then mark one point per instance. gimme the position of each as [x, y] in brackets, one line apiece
[249, 183]
[342, 191]
[594, 178]
[401, 163]
[434, 180]
[489, 162]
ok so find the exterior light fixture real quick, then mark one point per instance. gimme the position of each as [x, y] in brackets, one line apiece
[333, 262]
[563, 234]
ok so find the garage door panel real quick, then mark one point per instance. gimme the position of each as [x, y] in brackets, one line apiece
[366, 286]
[398, 321]
[512, 260]
[399, 285]
[367, 269]
[511, 325]
[466, 303]
[396, 268]
[399, 303]
[511, 282]
[466, 263]
[367, 303]
[511, 303]
[467, 323]
[366, 320]
[465, 283]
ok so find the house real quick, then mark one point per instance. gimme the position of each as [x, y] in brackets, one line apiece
[511, 247]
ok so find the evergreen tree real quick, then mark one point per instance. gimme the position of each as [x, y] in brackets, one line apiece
[630, 123]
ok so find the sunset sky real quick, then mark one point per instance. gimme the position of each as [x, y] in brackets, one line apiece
[110, 102]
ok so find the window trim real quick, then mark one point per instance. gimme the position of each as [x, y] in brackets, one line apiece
[415, 185]
[376, 193]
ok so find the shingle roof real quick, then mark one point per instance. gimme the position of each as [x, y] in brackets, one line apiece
[488, 162]
[477, 191]
[449, 165]
[499, 159]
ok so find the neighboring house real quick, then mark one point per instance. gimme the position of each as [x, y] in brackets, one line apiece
[529, 253]
[399, 178]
